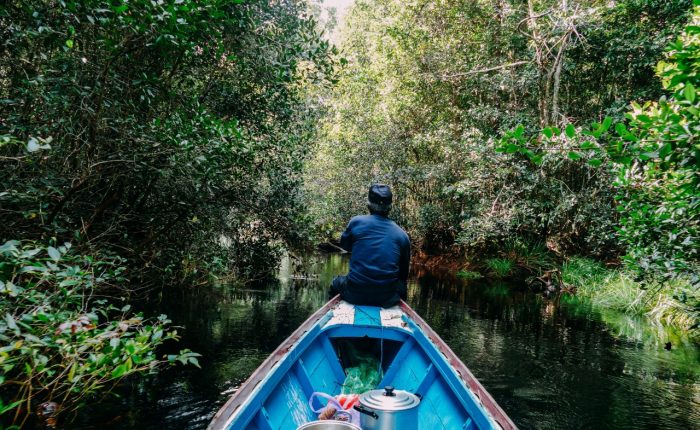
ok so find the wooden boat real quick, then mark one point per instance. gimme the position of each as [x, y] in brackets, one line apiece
[414, 358]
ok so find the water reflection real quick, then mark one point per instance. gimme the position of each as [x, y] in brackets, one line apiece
[550, 364]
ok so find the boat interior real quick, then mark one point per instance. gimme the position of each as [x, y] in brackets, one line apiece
[318, 362]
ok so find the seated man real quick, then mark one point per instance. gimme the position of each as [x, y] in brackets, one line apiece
[380, 255]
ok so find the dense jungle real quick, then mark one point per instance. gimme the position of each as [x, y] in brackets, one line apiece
[155, 148]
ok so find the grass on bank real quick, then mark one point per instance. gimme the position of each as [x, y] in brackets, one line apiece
[469, 275]
[500, 267]
[671, 303]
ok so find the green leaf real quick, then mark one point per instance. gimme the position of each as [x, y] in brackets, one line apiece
[570, 131]
[10, 321]
[119, 371]
[69, 43]
[689, 92]
[10, 406]
[54, 253]
[620, 129]
[595, 162]
[69, 283]
[518, 131]
[71, 372]
[547, 132]
[574, 155]
[665, 150]
[121, 9]
[511, 148]
[33, 145]
[607, 122]
[194, 361]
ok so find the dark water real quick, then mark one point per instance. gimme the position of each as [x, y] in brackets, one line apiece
[551, 364]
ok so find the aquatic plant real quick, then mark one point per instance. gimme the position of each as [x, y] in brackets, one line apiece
[530, 257]
[669, 303]
[469, 275]
[500, 267]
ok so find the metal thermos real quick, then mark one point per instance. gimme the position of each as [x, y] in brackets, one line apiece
[388, 409]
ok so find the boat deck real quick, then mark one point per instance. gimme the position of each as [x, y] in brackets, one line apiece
[415, 359]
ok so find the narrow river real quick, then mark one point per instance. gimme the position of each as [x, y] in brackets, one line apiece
[550, 363]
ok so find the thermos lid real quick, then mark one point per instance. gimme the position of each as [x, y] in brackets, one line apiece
[389, 399]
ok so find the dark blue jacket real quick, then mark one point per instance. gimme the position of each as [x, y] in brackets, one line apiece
[381, 251]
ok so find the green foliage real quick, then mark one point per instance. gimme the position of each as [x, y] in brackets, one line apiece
[673, 303]
[615, 64]
[172, 133]
[168, 135]
[530, 260]
[654, 159]
[500, 267]
[429, 87]
[62, 343]
[661, 226]
[469, 275]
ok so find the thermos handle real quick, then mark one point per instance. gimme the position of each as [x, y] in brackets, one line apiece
[362, 409]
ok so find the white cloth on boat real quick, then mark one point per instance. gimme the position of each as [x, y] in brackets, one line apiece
[343, 313]
[391, 317]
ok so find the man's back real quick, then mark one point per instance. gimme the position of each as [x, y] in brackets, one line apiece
[380, 251]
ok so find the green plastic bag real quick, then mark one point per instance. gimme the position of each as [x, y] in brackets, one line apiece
[363, 377]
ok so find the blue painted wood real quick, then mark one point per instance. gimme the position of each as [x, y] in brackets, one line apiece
[271, 381]
[468, 425]
[335, 362]
[262, 420]
[428, 379]
[281, 400]
[323, 367]
[367, 316]
[464, 395]
[374, 332]
[303, 378]
[397, 364]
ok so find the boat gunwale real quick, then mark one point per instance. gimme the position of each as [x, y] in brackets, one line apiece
[462, 370]
[237, 399]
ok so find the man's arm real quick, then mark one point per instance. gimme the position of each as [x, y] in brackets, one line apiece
[346, 238]
[405, 261]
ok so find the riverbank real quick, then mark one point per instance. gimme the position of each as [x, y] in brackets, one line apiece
[669, 303]
[667, 308]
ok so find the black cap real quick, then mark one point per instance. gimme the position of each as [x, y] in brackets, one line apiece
[379, 198]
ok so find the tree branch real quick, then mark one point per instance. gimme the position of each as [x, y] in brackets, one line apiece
[489, 69]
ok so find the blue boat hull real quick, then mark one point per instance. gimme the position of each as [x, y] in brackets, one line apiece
[276, 396]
